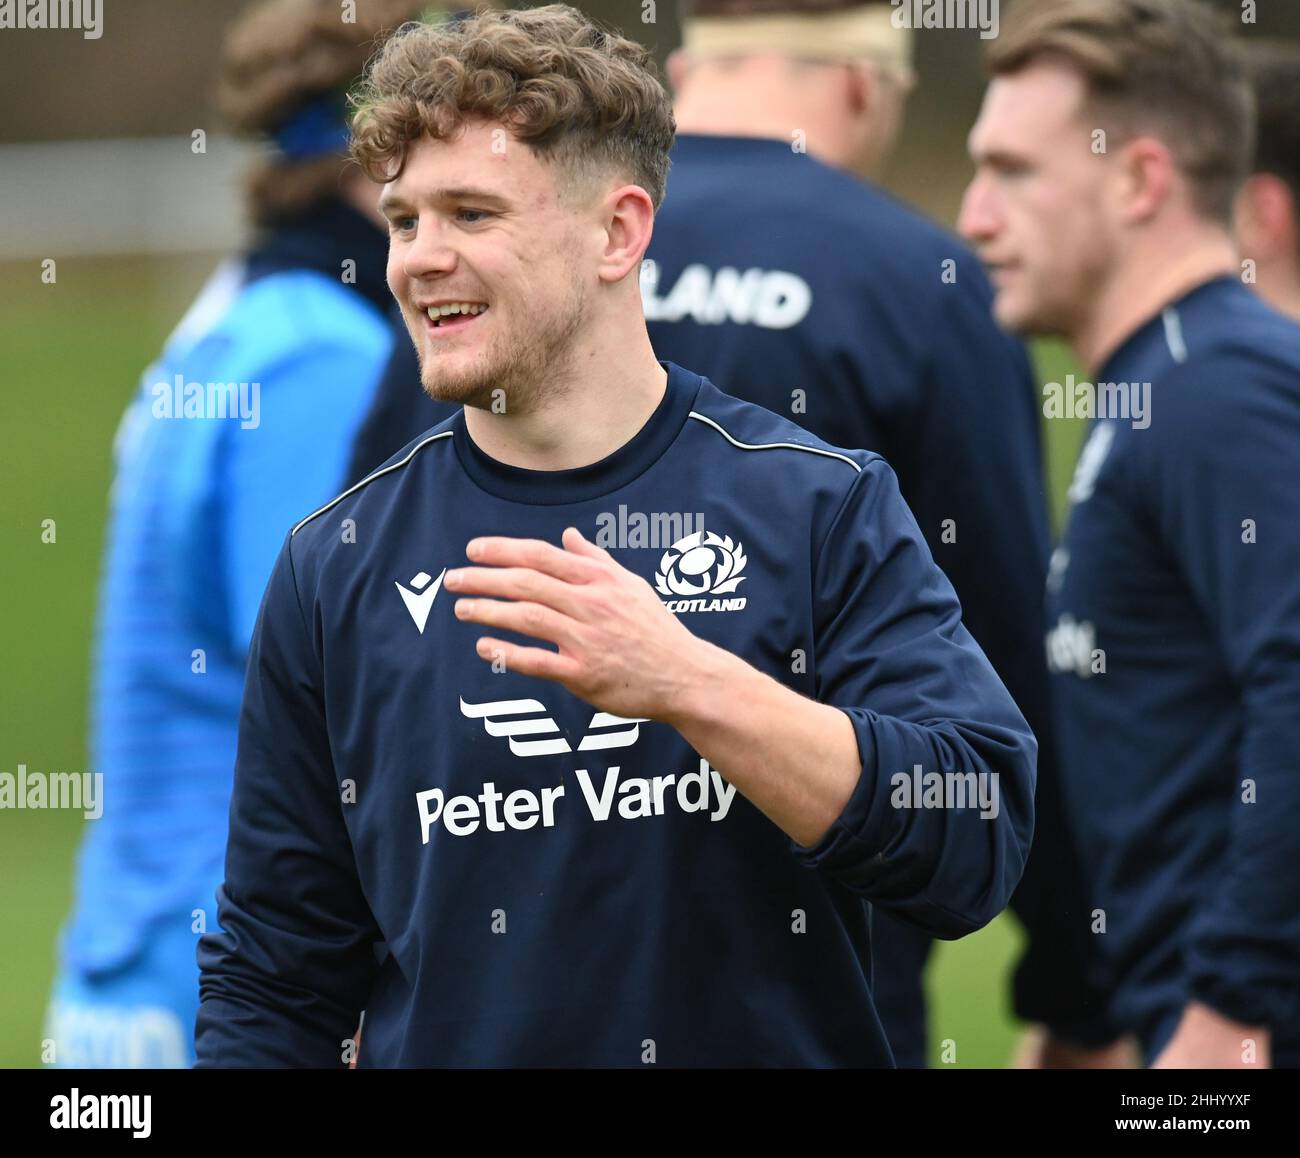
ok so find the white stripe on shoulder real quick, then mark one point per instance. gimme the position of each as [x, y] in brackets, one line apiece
[773, 445]
[370, 478]
[1174, 334]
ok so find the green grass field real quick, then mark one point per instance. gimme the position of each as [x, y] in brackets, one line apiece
[72, 354]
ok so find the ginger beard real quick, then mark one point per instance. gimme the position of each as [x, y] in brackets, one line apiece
[526, 351]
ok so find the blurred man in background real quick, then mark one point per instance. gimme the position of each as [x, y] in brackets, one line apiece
[1111, 144]
[204, 494]
[1267, 221]
[793, 284]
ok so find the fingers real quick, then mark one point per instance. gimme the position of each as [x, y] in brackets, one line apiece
[498, 551]
[529, 661]
[520, 583]
[535, 619]
[578, 544]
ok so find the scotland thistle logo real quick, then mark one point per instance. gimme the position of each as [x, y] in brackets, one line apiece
[701, 564]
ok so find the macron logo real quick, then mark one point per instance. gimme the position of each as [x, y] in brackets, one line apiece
[419, 597]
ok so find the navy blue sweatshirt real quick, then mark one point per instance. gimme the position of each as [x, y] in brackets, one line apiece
[551, 885]
[800, 288]
[1175, 607]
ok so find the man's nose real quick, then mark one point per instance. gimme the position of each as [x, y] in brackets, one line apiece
[431, 253]
[977, 221]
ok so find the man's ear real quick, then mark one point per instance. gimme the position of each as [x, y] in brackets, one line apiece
[862, 89]
[629, 225]
[1147, 175]
[1264, 219]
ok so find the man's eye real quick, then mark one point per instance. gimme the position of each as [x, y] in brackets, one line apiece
[402, 224]
[477, 215]
[1012, 170]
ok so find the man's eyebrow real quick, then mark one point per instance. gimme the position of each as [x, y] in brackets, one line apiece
[395, 201]
[468, 193]
[392, 201]
[998, 157]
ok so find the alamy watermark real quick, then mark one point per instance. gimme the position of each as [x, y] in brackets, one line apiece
[181, 399]
[655, 529]
[1130, 401]
[918, 789]
[973, 14]
[82, 790]
[86, 15]
[77, 1111]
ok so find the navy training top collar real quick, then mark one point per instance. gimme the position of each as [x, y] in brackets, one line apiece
[1154, 328]
[553, 487]
[707, 144]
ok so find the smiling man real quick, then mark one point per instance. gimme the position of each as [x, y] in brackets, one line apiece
[563, 805]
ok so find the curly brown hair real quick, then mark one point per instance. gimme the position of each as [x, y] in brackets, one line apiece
[690, 9]
[587, 101]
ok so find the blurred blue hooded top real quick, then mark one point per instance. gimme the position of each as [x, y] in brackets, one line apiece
[199, 508]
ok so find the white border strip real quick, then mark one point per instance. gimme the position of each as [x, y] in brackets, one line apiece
[371, 478]
[693, 414]
[773, 445]
[1174, 334]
